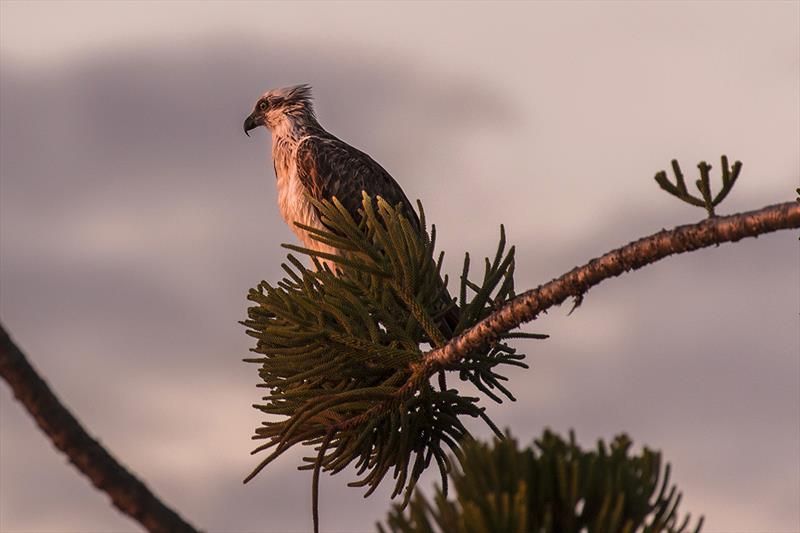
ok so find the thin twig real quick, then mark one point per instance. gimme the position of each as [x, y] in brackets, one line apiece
[127, 493]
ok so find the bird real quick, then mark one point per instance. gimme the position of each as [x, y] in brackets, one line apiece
[309, 161]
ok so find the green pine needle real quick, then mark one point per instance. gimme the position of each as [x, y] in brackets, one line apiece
[552, 486]
[339, 352]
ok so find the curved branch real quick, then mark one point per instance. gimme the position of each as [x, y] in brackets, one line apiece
[526, 306]
[127, 493]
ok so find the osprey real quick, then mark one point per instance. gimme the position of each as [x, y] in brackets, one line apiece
[310, 161]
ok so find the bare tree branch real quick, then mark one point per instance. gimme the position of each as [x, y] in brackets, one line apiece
[526, 306]
[127, 493]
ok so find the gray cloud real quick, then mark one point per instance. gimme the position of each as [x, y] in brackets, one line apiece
[135, 215]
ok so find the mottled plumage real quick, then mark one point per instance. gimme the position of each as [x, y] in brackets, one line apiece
[329, 167]
[309, 160]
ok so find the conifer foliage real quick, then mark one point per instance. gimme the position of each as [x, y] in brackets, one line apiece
[339, 352]
[553, 486]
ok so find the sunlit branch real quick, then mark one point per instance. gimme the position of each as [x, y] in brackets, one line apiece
[574, 284]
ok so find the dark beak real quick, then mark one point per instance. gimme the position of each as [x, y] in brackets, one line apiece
[250, 123]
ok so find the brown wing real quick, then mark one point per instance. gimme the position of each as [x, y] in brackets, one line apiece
[330, 167]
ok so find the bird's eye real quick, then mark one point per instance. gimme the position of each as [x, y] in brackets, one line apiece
[262, 106]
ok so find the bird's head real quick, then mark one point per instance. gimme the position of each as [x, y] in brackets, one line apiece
[277, 105]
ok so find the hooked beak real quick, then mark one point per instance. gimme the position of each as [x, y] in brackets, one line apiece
[252, 122]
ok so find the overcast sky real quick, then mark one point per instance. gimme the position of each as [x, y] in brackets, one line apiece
[134, 216]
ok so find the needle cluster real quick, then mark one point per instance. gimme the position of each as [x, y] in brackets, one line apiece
[339, 352]
[550, 486]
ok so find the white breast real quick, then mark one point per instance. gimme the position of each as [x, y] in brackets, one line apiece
[292, 201]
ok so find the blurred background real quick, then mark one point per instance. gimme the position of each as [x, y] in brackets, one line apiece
[135, 215]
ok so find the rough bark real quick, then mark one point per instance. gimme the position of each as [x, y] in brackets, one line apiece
[527, 306]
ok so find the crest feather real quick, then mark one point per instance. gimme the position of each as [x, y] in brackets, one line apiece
[291, 98]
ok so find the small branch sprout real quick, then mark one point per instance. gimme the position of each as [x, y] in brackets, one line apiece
[705, 200]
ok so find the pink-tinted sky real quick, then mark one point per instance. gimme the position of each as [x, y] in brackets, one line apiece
[134, 215]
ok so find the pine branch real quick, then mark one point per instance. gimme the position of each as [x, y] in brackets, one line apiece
[338, 350]
[127, 493]
[528, 305]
